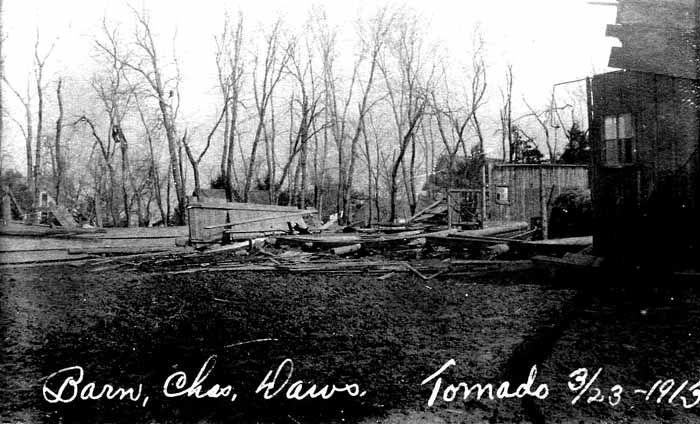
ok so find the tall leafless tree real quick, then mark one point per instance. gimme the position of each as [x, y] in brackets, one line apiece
[195, 161]
[408, 96]
[39, 65]
[27, 129]
[59, 160]
[164, 89]
[506, 116]
[265, 81]
[230, 71]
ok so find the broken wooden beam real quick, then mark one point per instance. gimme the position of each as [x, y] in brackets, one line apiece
[426, 209]
[261, 219]
[235, 246]
[115, 250]
[344, 250]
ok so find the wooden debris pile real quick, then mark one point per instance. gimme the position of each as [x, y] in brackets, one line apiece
[226, 236]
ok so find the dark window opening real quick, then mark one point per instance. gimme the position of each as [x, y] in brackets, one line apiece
[619, 139]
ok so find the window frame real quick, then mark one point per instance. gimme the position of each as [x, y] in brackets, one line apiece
[502, 195]
[624, 142]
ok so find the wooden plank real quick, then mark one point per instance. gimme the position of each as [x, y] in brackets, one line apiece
[344, 250]
[44, 231]
[570, 261]
[236, 246]
[567, 241]
[63, 217]
[261, 219]
[115, 250]
[424, 210]
[489, 231]
[245, 235]
[255, 207]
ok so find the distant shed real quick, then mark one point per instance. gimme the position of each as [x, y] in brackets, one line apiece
[517, 189]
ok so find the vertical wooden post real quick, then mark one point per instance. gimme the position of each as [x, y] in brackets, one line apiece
[483, 192]
[543, 207]
[6, 209]
[449, 209]
[98, 209]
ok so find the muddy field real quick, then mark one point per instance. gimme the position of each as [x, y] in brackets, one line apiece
[384, 336]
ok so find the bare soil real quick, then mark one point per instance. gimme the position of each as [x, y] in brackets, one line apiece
[126, 328]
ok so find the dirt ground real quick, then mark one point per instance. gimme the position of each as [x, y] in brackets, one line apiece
[385, 336]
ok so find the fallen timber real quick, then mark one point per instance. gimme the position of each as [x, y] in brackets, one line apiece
[330, 241]
[44, 231]
[466, 239]
[424, 271]
[115, 250]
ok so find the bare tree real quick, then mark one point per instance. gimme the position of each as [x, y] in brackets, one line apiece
[336, 105]
[506, 115]
[190, 154]
[58, 153]
[408, 97]
[27, 130]
[154, 172]
[306, 100]
[147, 65]
[373, 37]
[107, 151]
[274, 63]
[546, 120]
[116, 96]
[229, 65]
[372, 45]
[39, 64]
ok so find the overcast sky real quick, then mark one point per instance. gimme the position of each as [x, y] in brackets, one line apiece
[546, 41]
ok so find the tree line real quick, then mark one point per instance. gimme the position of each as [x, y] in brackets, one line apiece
[300, 119]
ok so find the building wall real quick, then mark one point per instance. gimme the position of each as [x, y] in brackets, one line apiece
[643, 207]
[523, 185]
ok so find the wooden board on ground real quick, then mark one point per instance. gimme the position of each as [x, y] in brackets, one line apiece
[14, 229]
[115, 250]
[63, 217]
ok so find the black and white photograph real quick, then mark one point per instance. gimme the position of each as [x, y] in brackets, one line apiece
[350, 212]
